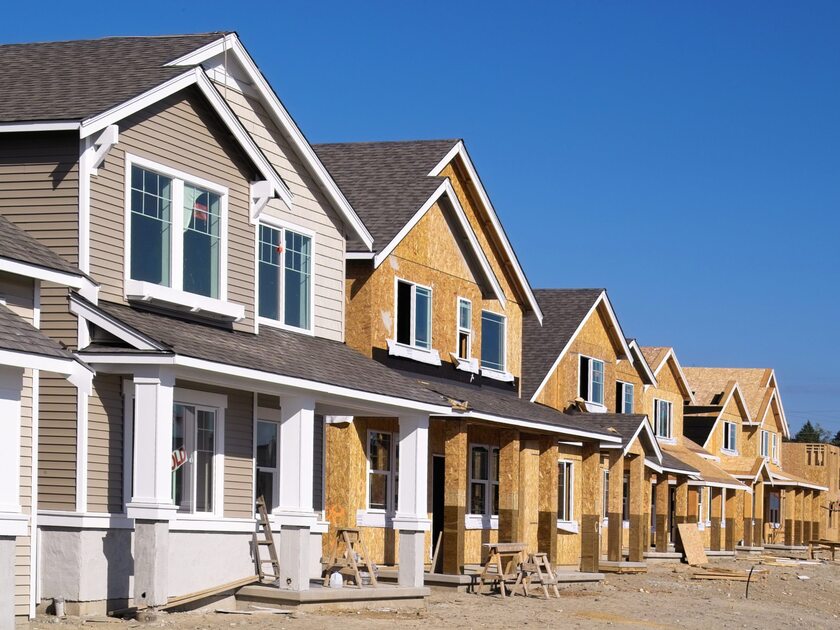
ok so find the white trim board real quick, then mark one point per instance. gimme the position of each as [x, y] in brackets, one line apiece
[44, 125]
[64, 278]
[671, 354]
[735, 389]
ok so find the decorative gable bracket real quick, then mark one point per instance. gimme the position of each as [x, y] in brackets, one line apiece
[261, 193]
[103, 144]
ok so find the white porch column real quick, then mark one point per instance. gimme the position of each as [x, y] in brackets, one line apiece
[412, 517]
[12, 522]
[294, 511]
[151, 504]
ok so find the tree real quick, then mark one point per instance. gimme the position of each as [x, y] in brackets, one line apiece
[836, 440]
[812, 433]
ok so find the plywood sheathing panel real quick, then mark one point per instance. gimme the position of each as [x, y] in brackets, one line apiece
[731, 520]
[693, 503]
[716, 543]
[568, 543]
[590, 522]
[681, 499]
[455, 496]
[747, 510]
[509, 487]
[758, 514]
[615, 500]
[662, 512]
[639, 490]
[648, 507]
[798, 519]
[548, 489]
[529, 493]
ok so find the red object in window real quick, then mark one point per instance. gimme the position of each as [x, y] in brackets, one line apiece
[200, 210]
[279, 249]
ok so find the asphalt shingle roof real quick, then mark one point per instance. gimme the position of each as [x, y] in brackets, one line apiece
[74, 80]
[17, 244]
[18, 335]
[563, 311]
[385, 182]
[622, 425]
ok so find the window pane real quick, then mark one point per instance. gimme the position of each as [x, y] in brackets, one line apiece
[561, 483]
[494, 509]
[478, 498]
[271, 249]
[583, 385]
[492, 341]
[151, 226]
[205, 449]
[495, 465]
[202, 241]
[265, 487]
[628, 398]
[380, 451]
[378, 491]
[480, 463]
[423, 318]
[267, 444]
[298, 278]
[404, 313]
[182, 421]
[464, 314]
[598, 382]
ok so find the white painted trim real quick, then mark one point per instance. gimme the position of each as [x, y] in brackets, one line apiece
[82, 403]
[374, 518]
[24, 360]
[772, 379]
[571, 527]
[395, 349]
[496, 375]
[735, 389]
[46, 125]
[670, 435]
[481, 521]
[503, 374]
[148, 292]
[636, 350]
[33, 505]
[593, 405]
[112, 325]
[645, 427]
[671, 354]
[74, 281]
[412, 316]
[463, 363]
[86, 157]
[359, 256]
[571, 481]
[278, 112]
[489, 484]
[374, 514]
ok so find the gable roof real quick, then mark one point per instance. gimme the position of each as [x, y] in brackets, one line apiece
[565, 311]
[391, 184]
[18, 245]
[626, 426]
[658, 356]
[74, 80]
[647, 373]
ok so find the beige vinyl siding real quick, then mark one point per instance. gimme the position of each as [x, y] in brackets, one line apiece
[310, 210]
[105, 445]
[23, 544]
[181, 132]
[238, 449]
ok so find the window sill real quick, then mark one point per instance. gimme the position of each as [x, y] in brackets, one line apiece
[465, 365]
[497, 375]
[481, 521]
[373, 518]
[666, 440]
[430, 357]
[595, 407]
[571, 527]
[148, 292]
[730, 452]
[273, 323]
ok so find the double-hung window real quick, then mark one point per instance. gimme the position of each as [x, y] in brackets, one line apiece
[775, 447]
[464, 329]
[591, 381]
[605, 500]
[730, 441]
[484, 480]
[176, 231]
[266, 446]
[414, 315]
[662, 418]
[382, 471]
[285, 277]
[565, 496]
[765, 443]
[700, 515]
[493, 336]
[624, 397]
[194, 444]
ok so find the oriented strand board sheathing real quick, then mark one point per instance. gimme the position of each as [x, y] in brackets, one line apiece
[798, 518]
[663, 527]
[717, 509]
[548, 489]
[758, 514]
[731, 519]
[639, 490]
[509, 487]
[529, 488]
[455, 496]
[681, 499]
[615, 526]
[590, 521]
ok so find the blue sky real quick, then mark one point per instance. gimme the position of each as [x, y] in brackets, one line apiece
[684, 155]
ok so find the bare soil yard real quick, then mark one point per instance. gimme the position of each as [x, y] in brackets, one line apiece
[666, 597]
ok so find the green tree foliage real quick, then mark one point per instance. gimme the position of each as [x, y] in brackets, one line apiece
[813, 433]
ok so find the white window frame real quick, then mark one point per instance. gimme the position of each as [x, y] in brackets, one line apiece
[460, 329]
[603, 363]
[392, 475]
[764, 444]
[605, 491]
[175, 294]
[283, 226]
[491, 372]
[569, 478]
[775, 447]
[413, 315]
[657, 419]
[266, 414]
[624, 385]
[488, 520]
[730, 437]
[701, 505]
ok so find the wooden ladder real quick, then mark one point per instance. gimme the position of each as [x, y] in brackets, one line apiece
[266, 541]
[348, 556]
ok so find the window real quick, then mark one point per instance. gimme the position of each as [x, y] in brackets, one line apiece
[774, 508]
[591, 380]
[662, 417]
[625, 498]
[565, 496]
[765, 443]
[484, 480]
[414, 315]
[624, 397]
[382, 471]
[492, 341]
[285, 277]
[193, 454]
[464, 328]
[176, 231]
[605, 508]
[775, 447]
[700, 514]
[729, 436]
[266, 462]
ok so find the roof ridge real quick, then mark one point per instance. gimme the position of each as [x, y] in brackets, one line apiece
[380, 142]
[108, 37]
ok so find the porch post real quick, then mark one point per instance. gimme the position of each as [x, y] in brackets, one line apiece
[615, 500]
[747, 508]
[789, 506]
[548, 493]
[648, 498]
[639, 494]
[797, 522]
[412, 517]
[717, 509]
[758, 514]
[590, 501]
[294, 512]
[693, 504]
[151, 504]
[509, 473]
[12, 522]
[807, 504]
[662, 524]
[816, 515]
[731, 519]
[455, 495]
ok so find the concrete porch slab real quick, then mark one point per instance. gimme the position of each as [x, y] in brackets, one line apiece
[468, 582]
[802, 548]
[719, 554]
[319, 597]
[663, 556]
[750, 550]
[623, 566]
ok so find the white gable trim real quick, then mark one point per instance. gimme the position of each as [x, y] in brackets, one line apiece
[637, 351]
[446, 189]
[194, 76]
[112, 325]
[44, 125]
[673, 355]
[460, 150]
[613, 319]
[735, 389]
[772, 379]
[232, 44]
[644, 425]
[88, 287]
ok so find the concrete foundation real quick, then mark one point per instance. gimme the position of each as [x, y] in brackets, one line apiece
[151, 563]
[411, 558]
[294, 558]
[321, 598]
[7, 582]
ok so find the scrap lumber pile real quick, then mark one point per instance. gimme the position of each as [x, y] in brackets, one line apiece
[731, 575]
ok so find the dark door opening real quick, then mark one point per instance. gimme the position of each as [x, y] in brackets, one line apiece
[672, 514]
[438, 489]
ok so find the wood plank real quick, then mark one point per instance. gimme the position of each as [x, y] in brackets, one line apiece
[692, 544]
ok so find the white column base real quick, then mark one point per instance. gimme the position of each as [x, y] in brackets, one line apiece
[7, 582]
[412, 560]
[295, 545]
[151, 563]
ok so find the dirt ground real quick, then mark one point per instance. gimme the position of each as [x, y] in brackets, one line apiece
[665, 597]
